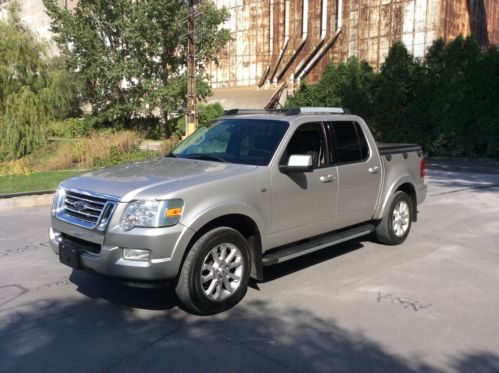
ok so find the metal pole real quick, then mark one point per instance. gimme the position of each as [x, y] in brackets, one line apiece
[191, 114]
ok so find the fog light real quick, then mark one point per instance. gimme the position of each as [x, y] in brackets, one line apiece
[136, 254]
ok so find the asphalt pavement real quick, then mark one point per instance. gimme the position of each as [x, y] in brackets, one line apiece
[431, 304]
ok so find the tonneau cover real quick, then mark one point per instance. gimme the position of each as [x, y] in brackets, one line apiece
[392, 148]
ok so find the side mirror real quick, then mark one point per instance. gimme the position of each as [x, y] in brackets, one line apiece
[298, 163]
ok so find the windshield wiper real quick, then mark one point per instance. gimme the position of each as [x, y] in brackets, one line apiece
[205, 157]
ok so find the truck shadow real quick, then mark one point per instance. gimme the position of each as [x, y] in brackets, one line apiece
[87, 335]
[277, 271]
[95, 287]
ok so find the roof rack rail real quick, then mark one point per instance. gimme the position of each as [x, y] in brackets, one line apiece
[290, 111]
[252, 111]
[323, 110]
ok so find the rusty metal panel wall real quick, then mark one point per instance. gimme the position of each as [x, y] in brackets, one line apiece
[492, 11]
[244, 58]
[370, 27]
[478, 17]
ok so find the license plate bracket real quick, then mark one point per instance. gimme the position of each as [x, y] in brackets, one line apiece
[69, 254]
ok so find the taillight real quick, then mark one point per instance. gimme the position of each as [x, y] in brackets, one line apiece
[422, 168]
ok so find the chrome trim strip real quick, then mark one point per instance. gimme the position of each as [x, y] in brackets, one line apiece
[86, 200]
[86, 207]
[92, 194]
[96, 216]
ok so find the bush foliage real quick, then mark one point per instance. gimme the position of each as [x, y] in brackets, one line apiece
[95, 150]
[447, 101]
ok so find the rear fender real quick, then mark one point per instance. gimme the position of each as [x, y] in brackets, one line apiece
[387, 197]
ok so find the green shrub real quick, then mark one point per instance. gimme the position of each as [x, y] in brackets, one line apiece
[447, 101]
[69, 128]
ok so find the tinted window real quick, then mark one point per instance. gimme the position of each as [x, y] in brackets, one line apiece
[308, 139]
[351, 144]
[347, 143]
[245, 141]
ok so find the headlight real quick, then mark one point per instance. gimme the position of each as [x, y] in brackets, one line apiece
[58, 200]
[149, 213]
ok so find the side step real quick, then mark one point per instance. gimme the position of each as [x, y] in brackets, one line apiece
[322, 242]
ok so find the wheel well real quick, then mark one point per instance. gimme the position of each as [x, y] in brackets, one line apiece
[408, 189]
[248, 228]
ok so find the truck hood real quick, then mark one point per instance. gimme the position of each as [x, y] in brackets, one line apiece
[152, 178]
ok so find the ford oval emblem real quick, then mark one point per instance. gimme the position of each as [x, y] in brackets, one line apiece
[80, 205]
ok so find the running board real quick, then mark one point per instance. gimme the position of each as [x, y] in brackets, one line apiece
[322, 242]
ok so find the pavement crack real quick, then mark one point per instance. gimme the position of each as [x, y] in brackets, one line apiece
[140, 350]
[258, 353]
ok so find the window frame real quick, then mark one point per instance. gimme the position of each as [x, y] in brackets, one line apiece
[325, 140]
[334, 144]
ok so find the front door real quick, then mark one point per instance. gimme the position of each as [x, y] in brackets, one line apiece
[303, 203]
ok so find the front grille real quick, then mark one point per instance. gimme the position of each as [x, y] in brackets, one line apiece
[84, 207]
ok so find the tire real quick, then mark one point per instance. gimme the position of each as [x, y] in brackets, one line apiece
[211, 281]
[395, 226]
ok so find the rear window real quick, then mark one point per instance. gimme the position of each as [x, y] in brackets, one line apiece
[350, 144]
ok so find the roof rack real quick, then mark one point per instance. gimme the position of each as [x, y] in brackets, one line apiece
[290, 111]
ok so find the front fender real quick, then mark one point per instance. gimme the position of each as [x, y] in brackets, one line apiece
[198, 219]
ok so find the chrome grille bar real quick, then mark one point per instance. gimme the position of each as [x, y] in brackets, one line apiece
[88, 210]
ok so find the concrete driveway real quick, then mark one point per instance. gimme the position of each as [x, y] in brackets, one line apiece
[431, 304]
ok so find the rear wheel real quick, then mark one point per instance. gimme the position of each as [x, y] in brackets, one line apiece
[396, 224]
[215, 273]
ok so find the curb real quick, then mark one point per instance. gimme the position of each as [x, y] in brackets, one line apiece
[26, 199]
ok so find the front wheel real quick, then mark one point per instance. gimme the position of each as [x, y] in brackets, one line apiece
[394, 228]
[215, 273]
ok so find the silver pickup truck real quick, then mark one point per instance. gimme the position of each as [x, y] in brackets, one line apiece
[253, 189]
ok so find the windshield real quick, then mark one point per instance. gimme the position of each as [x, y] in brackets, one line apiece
[244, 141]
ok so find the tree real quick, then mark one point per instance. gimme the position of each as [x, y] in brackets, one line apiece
[394, 91]
[131, 55]
[446, 102]
[346, 84]
[33, 90]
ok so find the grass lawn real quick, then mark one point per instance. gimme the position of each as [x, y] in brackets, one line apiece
[34, 182]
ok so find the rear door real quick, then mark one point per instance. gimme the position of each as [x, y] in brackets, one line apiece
[304, 203]
[359, 172]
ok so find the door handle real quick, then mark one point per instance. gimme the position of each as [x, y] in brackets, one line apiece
[326, 179]
[373, 170]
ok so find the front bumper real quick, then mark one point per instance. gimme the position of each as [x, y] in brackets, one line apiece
[105, 250]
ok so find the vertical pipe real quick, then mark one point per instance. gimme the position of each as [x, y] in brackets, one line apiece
[321, 39]
[304, 36]
[191, 114]
[284, 42]
[263, 80]
[324, 49]
[271, 30]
